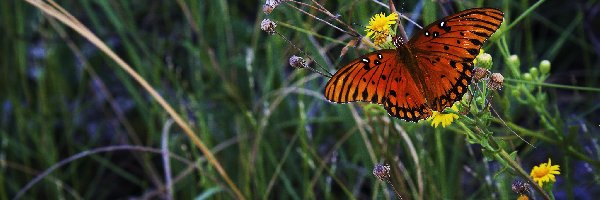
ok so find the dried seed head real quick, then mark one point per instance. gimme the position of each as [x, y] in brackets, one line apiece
[382, 172]
[520, 187]
[268, 26]
[267, 9]
[480, 74]
[297, 62]
[270, 6]
[496, 81]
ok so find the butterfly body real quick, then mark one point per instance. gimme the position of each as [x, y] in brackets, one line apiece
[428, 73]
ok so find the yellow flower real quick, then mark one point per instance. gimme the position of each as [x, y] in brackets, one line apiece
[379, 27]
[545, 173]
[522, 197]
[379, 39]
[443, 118]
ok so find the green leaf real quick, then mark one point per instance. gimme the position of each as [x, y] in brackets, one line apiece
[208, 193]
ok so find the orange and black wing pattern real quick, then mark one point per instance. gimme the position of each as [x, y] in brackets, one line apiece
[445, 51]
[379, 77]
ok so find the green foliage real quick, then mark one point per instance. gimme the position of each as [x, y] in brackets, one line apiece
[267, 123]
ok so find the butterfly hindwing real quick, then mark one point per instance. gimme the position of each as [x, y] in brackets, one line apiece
[404, 100]
[447, 83]
[445, 51]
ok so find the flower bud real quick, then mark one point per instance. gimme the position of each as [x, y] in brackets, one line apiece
[514, 60]
[534, 72]
[545, 66]
[268, 26]
[513, 64]
[527, 76]
[516, 92]
[484, 60]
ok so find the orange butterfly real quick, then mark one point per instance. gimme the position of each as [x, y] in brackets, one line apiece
[430, 72]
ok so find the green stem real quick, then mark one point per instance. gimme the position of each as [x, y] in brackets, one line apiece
[570, 87]
[441, 162]
[582, 156]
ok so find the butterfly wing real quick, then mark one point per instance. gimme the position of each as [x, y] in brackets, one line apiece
[445, 51]
[379, 77]
[405, 100]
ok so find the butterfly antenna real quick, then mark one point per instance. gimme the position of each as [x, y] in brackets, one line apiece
[329, 75]
[489, 104]
[403, 35]
[402, 7]
[503, 122]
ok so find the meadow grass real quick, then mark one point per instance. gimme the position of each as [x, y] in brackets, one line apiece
[211, 108]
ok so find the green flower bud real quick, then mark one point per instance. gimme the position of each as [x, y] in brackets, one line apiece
[527, 76]
[545, 66]
[514, 61]
[516, 92]
[484, 60]
[534, 72]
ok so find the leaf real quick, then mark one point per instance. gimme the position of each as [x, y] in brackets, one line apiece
[208, 193]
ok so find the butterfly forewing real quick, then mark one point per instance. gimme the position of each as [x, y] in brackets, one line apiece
[379, 77]
[445, 51]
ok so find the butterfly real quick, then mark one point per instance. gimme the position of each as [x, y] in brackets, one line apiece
[428, 73]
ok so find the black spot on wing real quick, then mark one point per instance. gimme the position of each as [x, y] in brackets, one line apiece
[473, 52]
[475, 42]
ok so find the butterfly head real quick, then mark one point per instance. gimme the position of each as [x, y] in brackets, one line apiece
[397, 41]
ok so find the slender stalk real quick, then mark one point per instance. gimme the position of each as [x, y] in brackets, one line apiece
[568, 87]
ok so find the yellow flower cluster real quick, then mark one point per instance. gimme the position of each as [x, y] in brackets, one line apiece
[379, 27]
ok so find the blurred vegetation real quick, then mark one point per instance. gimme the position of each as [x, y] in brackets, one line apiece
[267, 124]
